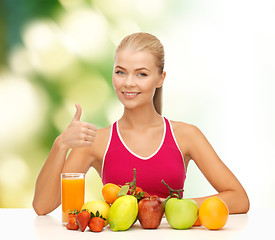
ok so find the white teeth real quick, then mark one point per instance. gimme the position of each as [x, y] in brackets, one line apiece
[130, 94]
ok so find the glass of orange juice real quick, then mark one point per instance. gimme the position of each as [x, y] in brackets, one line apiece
[72, 193]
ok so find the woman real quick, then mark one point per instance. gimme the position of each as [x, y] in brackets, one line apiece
[141, 138]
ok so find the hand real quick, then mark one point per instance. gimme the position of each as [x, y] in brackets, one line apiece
[78, 134]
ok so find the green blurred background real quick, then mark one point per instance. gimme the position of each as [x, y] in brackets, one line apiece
[54, 54]
[220, 77]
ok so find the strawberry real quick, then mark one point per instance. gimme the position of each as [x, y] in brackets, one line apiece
[72, 224]
[96, 224]
[72, 214]
[83, 219]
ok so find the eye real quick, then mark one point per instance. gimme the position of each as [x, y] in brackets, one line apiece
[142, 75]
[118, 72]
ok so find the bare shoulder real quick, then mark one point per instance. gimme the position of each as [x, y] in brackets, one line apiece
[101, 140]
[183, 130]
[103, 133]
[186, 135]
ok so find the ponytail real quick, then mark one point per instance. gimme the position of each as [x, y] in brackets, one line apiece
[157, 100]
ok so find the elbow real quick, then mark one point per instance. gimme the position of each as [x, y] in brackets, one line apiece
[242, 205]
[43, 208]
[237, 202]
[246, 204]
[40, 211]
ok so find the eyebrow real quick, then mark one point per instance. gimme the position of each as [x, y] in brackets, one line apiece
[138, 69]
[143, 68]
[120, 67]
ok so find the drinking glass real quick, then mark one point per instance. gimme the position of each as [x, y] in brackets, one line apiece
[72, 193]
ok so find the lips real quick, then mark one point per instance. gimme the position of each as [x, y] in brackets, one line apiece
[130, 94]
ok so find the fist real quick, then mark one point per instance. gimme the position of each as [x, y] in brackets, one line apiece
[78, 134]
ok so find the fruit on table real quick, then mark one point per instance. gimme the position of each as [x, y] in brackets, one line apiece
[109, 192]
[98, 205]
[131, 188]
[138, 190]
[72, 224]
[96, 223]
[213, 213]
[140, 194]
[123, 213]
[181, 213]
[197, 223]
[82, 219]
[150, 212]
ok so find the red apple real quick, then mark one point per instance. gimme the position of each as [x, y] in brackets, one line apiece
[150, 212]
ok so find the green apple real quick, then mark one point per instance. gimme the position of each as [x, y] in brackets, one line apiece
[181, 213]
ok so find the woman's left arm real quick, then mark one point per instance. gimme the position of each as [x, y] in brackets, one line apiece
[219, 176]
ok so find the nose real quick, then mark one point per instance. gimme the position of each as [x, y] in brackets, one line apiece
[129, 81]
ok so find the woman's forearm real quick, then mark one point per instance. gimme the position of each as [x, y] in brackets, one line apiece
[236, 202]
[47, 188]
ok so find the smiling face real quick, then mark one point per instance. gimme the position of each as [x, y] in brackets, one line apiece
[136, 77]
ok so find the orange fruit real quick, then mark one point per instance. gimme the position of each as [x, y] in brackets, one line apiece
[109, 192]
[213, 213]
[197, 223]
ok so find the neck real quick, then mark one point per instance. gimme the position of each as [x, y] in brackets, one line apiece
[140, 117]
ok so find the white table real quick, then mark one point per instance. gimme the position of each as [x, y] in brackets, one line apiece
[18, 223]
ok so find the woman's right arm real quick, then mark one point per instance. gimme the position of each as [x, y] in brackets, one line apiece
[47, 189]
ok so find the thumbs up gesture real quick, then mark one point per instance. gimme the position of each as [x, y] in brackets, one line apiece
[77, 113]
[78, 134]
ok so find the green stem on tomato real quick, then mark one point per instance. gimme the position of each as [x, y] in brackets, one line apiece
[133, 184]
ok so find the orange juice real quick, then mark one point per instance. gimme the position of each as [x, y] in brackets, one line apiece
[72, 193]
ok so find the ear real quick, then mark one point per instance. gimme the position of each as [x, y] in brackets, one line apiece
[161, 79]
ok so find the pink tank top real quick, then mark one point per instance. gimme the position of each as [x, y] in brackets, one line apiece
[166, 163]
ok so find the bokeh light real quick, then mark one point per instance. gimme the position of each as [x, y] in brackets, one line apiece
[86, 30]
[23, 110]
[8, 164]
[45, 43]
[14, 173]
[220, 63]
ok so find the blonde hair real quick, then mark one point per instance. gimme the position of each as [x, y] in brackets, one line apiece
[145, 41]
